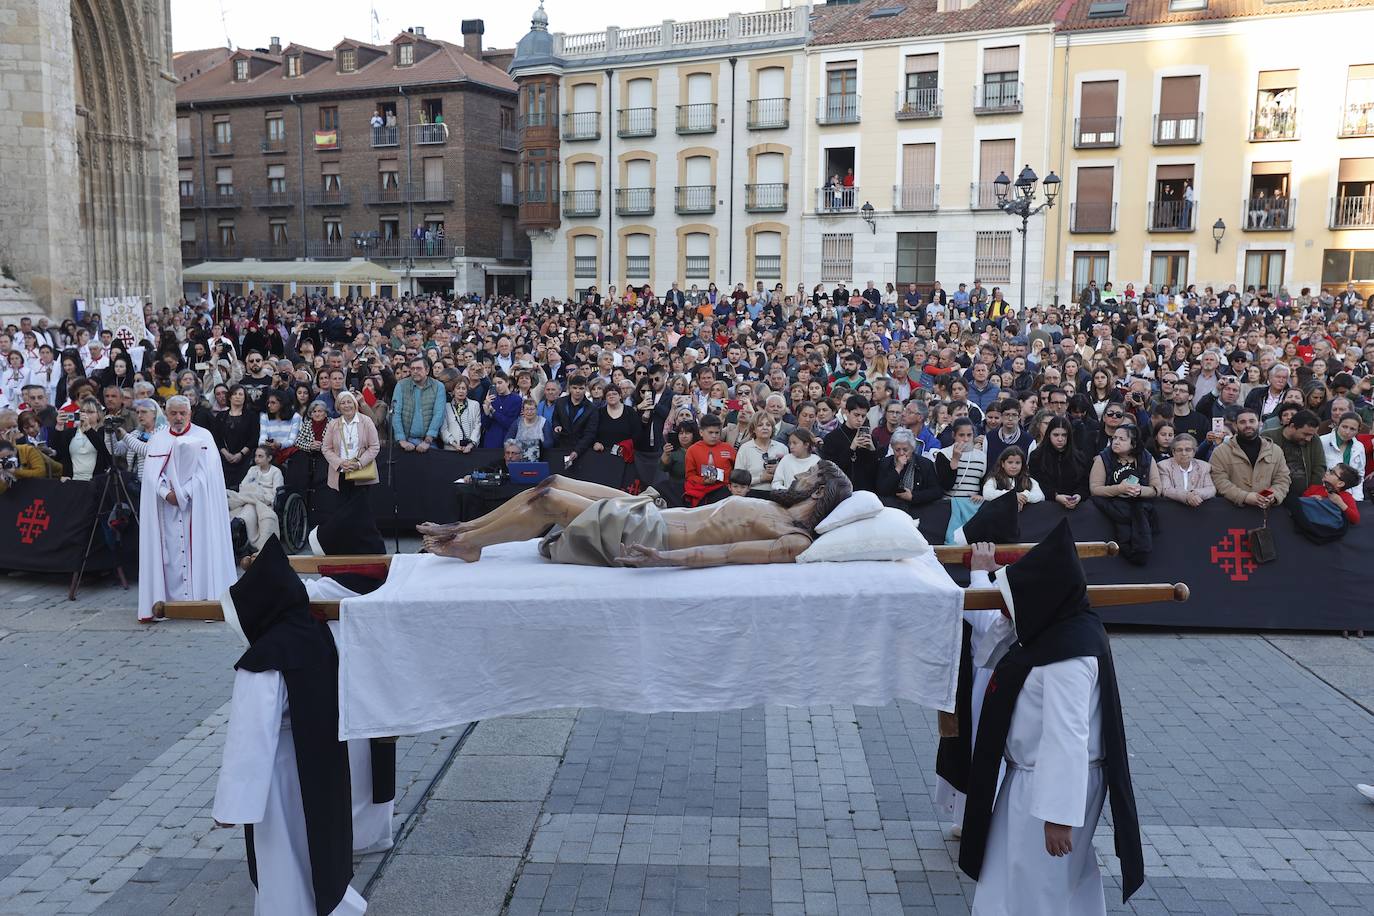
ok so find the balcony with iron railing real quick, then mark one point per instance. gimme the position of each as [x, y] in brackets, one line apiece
[637, 266]
[189, 201]
[582, 125]
[216, 250]
[413, 248]
[1274, 123]
[1268, 214]
[424, 192]
[392, 194]
[222, 198]
[1357, 120]
[838, 108]
[695, 198]
[636, 122]
[1092, 216]
[535, 196]
[505, 196]
[1178, 130]
[634, 201]
[697, 36]
[334, 250]
[532, 119]
[697, 118]
[696, 266]
[916, 104]
[765, 198]
[767, 267]
[1171, 216]
[279, 251]
[1096, 133]
[327, 197]
[385, 136]
[837, 200]
[910, 198]
[191, 250]
[273, 144]
[583, 204]
[185, 147]
[767, 114]
[983, 195]
[435, 134]
[997, 97]
[510, 138]
[267, 199]
[1352, 212]
[217, 147]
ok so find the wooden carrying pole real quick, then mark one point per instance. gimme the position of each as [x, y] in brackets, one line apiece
[975, 599]
[948, 554]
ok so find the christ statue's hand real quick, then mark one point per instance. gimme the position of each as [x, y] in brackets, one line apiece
[640, 557]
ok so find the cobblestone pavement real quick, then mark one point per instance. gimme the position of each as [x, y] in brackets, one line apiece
[1244, 752]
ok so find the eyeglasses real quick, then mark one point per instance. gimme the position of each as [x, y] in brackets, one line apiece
[1115, 414]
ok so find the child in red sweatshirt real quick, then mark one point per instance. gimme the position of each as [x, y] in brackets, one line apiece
[1335, 486]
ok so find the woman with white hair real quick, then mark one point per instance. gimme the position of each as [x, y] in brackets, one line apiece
[134, 444]
[351, 447]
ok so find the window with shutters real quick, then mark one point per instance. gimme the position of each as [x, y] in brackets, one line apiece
[637, 118]
[389, 174]
[1179, 120]
[333, 229]
[1343, 265]
[329, 117]
[767, 255]
[837, 257]
[696, 256]
[1268, 205]
[186, 185]
[583, 122]
[638, 259]
[1264, 269]
[769, 110]
[188, 230]
[228, 235]
[224, 181]
[1168, 268]
[992, 257]
[918, 190]
[184, 145]
[389, 227]
[330, 179]
[1093, 209]
[1353, 205]
[1098, 125]
[1000, 90]
[995, 157]
[768, 193]
[1275, 116]
[223, 137]
[1174, 206]
[1357, 115]
[916, 258]
[1089, 265]
[920, 95]
[840, 104]
[584, 256]
[276, 231]
[698, 115]
[276, 179]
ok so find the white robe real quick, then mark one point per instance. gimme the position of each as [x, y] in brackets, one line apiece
[372, 823]
[260, 785]
[993, 634]
[184, 551]
[1054, 774]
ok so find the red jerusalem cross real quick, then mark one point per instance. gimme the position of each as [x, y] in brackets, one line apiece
[32, 522]
[1232, 555]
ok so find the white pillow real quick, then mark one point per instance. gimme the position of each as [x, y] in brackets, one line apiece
[889, 535]
[859, 505]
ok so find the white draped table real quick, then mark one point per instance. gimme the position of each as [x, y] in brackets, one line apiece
[445, 642]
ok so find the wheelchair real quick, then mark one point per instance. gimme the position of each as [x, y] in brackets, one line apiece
[305, 475]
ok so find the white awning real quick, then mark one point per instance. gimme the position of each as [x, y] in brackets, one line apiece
[316, 273]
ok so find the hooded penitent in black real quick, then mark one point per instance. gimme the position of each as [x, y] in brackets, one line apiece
[1054, 622]
[270, 607]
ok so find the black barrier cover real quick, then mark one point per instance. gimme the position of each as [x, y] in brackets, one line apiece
[1309, 586]
[44, 526]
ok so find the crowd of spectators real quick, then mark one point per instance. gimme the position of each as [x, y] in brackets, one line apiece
[1118, 399]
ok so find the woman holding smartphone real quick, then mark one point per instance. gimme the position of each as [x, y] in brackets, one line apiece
[760, 455]
[1124, 482]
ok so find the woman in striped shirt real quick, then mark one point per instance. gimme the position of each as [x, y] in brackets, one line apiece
[960, 468]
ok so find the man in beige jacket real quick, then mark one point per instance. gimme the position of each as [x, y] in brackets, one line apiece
[1248, 469]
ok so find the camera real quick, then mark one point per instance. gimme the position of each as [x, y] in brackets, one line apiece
[9, 463]
[112, 424]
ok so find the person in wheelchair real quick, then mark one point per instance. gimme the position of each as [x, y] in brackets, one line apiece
[253, 505]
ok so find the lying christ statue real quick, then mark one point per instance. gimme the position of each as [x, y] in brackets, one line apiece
[601, 526]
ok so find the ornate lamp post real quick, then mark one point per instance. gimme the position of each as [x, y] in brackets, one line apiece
[1023, 205]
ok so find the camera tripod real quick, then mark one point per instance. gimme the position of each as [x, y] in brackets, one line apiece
[113, 490]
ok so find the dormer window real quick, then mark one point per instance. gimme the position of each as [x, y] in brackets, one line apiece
[293, 66]
[405, 55]
[348, 60]
[240, 71]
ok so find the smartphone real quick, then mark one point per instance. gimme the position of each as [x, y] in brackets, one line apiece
[201, 367]
[1219, 426]
[732, 404]
[1266, 493]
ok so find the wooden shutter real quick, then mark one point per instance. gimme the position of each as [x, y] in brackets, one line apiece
[1098, 99]
[996, 156]
[918, 164]
[1356, 170]
[1178, 96]
[1094, 186]
[922, 63]
[434, 172]
[1271, 168]
[1002, 60]
[584, 97]
[1278, 79]
[1174, 172]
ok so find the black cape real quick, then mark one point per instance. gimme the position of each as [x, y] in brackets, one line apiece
[1054, 622]
[273, 610]
[955, 754]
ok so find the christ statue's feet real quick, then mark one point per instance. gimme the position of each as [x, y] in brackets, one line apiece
[452, 546]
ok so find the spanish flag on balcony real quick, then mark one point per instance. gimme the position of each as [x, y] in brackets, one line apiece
[326, 139]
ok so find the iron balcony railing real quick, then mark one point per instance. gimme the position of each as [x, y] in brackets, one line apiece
[584, 265]
[697, 118]
[385, 136]
[767, 114]
[191, 250]
[223, 251]
[1096, 133]
[216, 147]
[273, 144]
[983, 195]
[189, 201]
[636, 122]
[997, 97]
[1178, 130]
[765, 198]
[637, 266]
[767, 267]
[431, 191]
[697, 266]
[1274, 123]
[582, 125]
[1092, 216]
[581, 203]
[1352, 212]
[222, 198]
[535, 196]
[505, 197]
[916, 197]
[914, 104]
[430, 134]
[279, 251]
[1172, 216]
[413, 248]
[327, 197]
[634, 201]
[185, 147]
[533, 119]
[392, 194]
[330, 250]
[1357, 120]
[1269, 213]
[837, 199]
[510, 138]
[696, 198]
[269, 198]
[838, 108]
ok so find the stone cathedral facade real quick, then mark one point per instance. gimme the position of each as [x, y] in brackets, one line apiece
[88, 198]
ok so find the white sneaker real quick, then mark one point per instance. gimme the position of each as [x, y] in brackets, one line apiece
[956, 831]
[1366, 790]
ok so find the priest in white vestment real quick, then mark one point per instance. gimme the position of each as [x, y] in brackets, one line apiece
[185, 549]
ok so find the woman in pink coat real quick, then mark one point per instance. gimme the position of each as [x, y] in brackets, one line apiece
[350, 443]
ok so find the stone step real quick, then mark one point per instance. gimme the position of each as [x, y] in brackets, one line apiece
[16, 302]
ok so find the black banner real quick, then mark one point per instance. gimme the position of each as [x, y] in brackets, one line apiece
[45, 524]
[1309, 586]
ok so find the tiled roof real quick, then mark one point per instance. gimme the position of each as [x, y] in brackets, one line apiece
[189, 63]
[447, 64]
[841, 24]
[1157, 12]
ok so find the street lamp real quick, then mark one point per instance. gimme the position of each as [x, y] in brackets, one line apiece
[1023, 205]
[1218, 233]
[867, 211]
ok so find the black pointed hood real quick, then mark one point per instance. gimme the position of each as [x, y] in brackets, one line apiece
[269, 593]
[997, 521]
[351, 530]
[1046, 586]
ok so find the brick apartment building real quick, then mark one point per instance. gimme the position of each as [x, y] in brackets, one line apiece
[279, 159]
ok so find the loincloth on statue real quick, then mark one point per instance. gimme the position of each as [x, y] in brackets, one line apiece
[596, 536]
